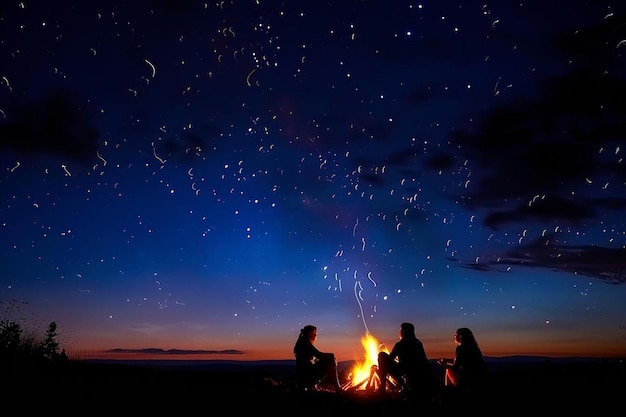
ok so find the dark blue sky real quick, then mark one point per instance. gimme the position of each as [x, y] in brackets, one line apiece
[214, 176]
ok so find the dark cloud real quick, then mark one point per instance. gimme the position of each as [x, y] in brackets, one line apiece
[544, 209]
[551, 146]
[58, 126]
[596, 45]
[555, 158]
[554, 145]
[606, 264]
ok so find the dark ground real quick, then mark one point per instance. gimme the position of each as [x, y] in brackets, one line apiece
[517, 387]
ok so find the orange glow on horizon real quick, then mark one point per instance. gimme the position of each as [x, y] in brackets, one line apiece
[348, 350]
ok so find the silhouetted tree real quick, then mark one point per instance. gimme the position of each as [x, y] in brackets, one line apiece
[10, 336]
[50, 346]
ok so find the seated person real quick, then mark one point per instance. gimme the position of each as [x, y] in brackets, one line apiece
[468, 367]
[408, 364]
[313, 366]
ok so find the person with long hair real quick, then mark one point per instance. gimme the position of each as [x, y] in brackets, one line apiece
[468, 366]
[314, 367]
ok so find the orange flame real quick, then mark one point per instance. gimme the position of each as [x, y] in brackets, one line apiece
[361, 375]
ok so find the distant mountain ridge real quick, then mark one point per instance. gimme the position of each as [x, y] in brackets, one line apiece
[287, 366]
[158, 351]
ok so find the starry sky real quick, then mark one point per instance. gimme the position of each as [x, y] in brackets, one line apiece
[203, 179]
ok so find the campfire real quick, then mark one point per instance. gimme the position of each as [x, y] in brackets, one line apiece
[364, 374]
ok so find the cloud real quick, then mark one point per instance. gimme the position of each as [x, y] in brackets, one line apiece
[58, 126]
[560, 143]
[606, 264]
[556, 159]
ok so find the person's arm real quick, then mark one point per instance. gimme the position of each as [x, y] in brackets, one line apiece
[307, 351]
[315, 352]
[395, 351]
[459, 358]
[445, 362]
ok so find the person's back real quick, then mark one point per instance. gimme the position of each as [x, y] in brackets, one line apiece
[471, 365]
[412, 369]
[304, 352]
[412, 358]
[312, 365]
[469, 368]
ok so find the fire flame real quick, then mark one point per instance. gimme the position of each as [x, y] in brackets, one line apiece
[362, 375]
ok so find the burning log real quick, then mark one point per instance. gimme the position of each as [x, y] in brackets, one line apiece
[367, 381]
[364, 379]
[372, 382]
[374, 379]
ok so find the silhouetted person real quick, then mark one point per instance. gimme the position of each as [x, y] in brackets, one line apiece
[468, 367]
[313, 366]
[408, 364]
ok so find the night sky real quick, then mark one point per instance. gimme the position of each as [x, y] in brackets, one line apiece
[214, 176]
